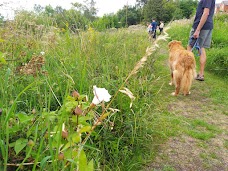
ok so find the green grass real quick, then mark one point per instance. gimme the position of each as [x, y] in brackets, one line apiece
[77, 62]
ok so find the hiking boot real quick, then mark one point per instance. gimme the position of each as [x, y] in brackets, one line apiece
[199, 78]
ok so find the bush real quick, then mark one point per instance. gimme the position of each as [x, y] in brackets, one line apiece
[217, 61]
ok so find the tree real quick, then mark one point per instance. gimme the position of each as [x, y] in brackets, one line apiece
[49, 10]
[38, 8]
[129, 15]
[88, 9]
[187, 7]
[153, 9]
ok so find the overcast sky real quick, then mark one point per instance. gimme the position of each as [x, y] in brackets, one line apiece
[103, 6]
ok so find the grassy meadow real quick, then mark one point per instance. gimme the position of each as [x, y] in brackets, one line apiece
[47, 120]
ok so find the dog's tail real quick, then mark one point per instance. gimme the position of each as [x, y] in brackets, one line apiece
[189, 73]
[186, 81]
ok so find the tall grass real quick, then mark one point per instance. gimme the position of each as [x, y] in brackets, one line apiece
[35, 106]
[72, 62]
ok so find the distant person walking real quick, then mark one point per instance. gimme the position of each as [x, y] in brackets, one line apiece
[154, 28]
[161, 26]
[202, 31]
[149, 29]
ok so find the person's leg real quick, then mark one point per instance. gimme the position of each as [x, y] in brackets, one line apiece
[205, 42]
[203, 58]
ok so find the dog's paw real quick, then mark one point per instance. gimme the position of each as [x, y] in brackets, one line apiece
[188, 93]
[173, 94]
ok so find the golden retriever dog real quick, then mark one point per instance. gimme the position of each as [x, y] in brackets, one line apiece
[182, 66]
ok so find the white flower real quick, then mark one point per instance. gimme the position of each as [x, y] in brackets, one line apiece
[100, 94]
[42, 53]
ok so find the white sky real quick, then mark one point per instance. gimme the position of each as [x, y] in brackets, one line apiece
[103, 6]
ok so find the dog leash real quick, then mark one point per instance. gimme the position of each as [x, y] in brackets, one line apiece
[196, 46]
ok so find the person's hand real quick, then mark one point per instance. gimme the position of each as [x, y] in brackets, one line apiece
[196, 34]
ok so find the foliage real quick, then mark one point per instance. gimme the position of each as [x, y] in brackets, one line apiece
[37, 109]
[129, 15]
[188, 7]
[168, 10]
[106, 22]
[217, 61]
[34, 105]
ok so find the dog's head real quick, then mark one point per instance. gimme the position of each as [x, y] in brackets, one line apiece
[174, 43]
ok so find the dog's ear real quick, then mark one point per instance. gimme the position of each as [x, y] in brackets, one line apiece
[179, 42]
[171, 43]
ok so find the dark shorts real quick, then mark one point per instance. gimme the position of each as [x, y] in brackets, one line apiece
[204, 38]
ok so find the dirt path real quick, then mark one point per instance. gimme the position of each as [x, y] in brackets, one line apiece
[204, 144]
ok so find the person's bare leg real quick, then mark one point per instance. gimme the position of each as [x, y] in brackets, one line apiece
[202, 61]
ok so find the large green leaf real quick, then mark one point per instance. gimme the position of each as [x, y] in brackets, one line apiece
[82, 161]
[90, 166]
[20, 144]
[24, 118]
[85, 129]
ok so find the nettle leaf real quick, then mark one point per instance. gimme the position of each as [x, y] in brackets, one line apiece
[76, 138]
[20, 144]
[24, 118]
[82, 161]
[90, 166]
[15, 128]
[71, 153]
[81, 120]
[69, 106]
[85, 105]
[85, 129]
[66, 146]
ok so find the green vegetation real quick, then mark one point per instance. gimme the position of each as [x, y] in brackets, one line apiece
[47, 76]
[83, 15]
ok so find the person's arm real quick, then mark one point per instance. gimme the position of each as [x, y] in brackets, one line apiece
[202, 22]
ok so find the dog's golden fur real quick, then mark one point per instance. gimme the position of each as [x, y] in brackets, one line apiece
[183, 67]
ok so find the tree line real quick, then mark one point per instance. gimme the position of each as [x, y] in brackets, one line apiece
[82, 16]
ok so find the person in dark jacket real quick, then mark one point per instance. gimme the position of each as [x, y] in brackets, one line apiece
[154, 28]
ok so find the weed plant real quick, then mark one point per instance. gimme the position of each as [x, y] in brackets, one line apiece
[36, 108]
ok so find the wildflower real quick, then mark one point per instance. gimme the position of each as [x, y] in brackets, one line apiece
[77, 111]
[100, 94]
[75, 94]
[42, 53]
